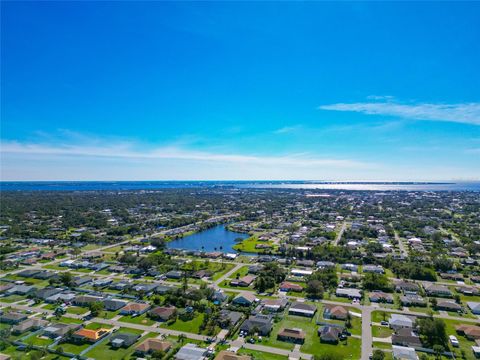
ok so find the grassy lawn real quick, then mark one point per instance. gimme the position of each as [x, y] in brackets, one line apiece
[381, 331]
[96, 326]
[192, 326]
[141, 320]
[220, 273]
[381, 345]
[68, 320]
[226, 285]
[55, 267]
[377, 316]
[105, 351]
[350, 349]
[72, 348]
[260, 355]
[76, 310]
[108, 314]
[465, 344]
[355, 321]
[12, 298]
[241, 272]
[248, 245]
[38, 341]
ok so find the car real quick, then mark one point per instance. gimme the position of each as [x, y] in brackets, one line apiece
[251, 341]
[454, 341]
[385, 323]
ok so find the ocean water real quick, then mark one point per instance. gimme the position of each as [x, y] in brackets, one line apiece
[307, 185]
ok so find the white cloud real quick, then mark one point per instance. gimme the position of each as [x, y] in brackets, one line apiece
[132, 152]
[287, 129]
[467, 113]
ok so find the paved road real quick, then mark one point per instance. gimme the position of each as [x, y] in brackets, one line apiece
[113, 322]
[277, 351]
[340, 233]
[401, 245]
[227, 275]
[366, 333]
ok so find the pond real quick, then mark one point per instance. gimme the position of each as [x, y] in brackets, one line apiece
[217, 238]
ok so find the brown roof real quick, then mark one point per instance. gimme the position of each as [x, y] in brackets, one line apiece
[338, 311]
[163, 311]
[135, 307]
[292, 333]
[289, 285]
[153, 345]
[470, 330]
[228, 355]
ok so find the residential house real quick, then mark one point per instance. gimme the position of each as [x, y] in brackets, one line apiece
[350, 293]
[377, 269]
[89, 335]
[28, 325]
[150, 345]
[229, 318]
[191, 352]
[21, 290]
[123, 339]
[301, 272]
[244, 281]
[261, 324]
[448, 306]
[474, 307]
[438, 290]
[380, 297]
[399, 321]
[288, 286]
[471, 332]
[274, 305]
[406, 337]
[245, 299]
[134, 308]
[336, 312]
[302, 309]
[47, 292]
[59, 330]
[330, 333]
[113, 304]
[404, 353]
[174, 274]
[407, 286]
[296, 336]
[412, 300]
[162, 313]
[81, 280]
[12, 318]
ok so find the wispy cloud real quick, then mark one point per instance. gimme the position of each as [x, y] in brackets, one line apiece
[467, 113]
[287, 129]
[132, 151]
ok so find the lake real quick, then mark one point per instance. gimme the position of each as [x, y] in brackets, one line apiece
[211, 240]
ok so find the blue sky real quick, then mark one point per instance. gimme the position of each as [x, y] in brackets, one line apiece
[204, 90]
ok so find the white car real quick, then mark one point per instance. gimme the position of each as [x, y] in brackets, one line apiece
[454, 341]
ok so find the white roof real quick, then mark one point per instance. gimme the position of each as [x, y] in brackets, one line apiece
[404, 353]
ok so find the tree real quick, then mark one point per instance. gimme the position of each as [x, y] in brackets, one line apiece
[438, 350]
[373, 281]
[95, 308]
[314, 289]
[432, 331]
[66, 279]
[378, 355]
[327, 277]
